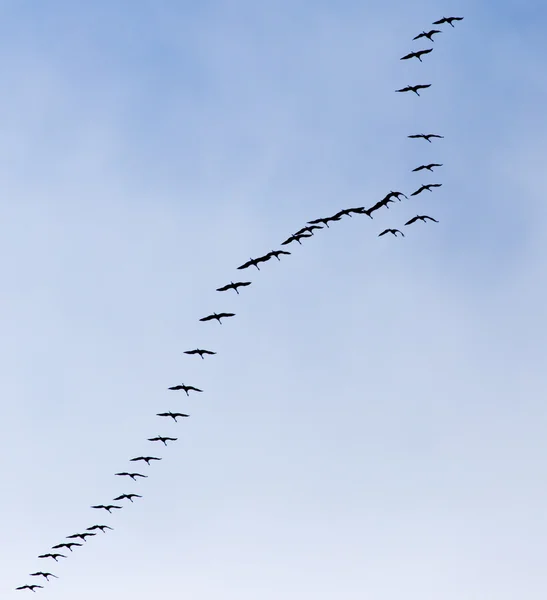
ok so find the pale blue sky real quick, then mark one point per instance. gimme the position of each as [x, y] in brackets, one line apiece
[373, 424]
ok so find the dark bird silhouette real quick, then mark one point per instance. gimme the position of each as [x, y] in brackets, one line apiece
[186, 388]
[146, 459]
[394, 195]
[418, 54]
[217, 317]
[128, 497]
[425, 136]
[278, 253]
[54, 556]
[253, 262]
[132, 475]
[68, 546]
[427, 34]
[296, 238]
[384, 202]
[422, 218]
[233, 286]
[426, 187]
[429, 167]
[107, 507]
[159, 438]
[81, 536]
[308, 229]
[42, 574]
[101, 527]
[172, 415]
[447, 20]
[393, 231]
[32, 588]
[199, 351]
[414, 88]
[324, 220]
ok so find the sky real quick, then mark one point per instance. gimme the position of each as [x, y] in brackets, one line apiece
[373, 423]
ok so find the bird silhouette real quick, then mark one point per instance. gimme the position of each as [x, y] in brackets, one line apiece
[68, 546]
[427, 34]
[308, 229]
[253, 262]
[146, 459]
[384, 202]
[447, 20]
[81, 536]
[32, 588]
[159, 438]
[426, 187]
[217, 317]
[55, 556]
[395, 195]
[107, 507]
[186, 388]
[278, 253]
[101, 527]
[418, 54]
[132, 475]
[128, 497]
[233, 286]
[425, 136]
[172, 415]
[429, 167]
[414, 88]
[199, 351]
[422, 218]
[42, 574]
[393, 231]
[324, 220]
[296, 238]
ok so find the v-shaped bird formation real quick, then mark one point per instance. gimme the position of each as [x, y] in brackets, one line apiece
[305, 232]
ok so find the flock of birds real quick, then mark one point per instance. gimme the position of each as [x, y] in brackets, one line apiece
[303, 233]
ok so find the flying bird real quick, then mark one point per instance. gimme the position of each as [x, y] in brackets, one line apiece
[132, 475]
[324, 220]
[414, 88]
[425, 136]
[108, 507]
[393, 194]
[128, 497]
[429, 167]
[146, 459]
[234, 286]
[32, 588]
[427, 34]
[308, 229]
[393, 231]
[217, 317]
[422, 218]
[54, 556]
[426, 187]
[447, 20]
[278, 253]
[101, 527]
[199, 351]
[81, 536]
[159, 438]
[186, 388]
[296, 238]
[69, 545]
[172, 415]
[417, 54]
[46, 575]
[253, 262]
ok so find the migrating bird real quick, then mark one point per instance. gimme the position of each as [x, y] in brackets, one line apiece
[447, 20]
[54, 556]
[278, 253]
[132, 475]
[81, 536]
[296, 238]
[429, 167]
[308, 229]
[46, 575]
[427, 34]
[101, 527]
[395, 195]
[418, 54]
[324, 220]
[69, 546]
[393, 231]
[32, 588]
[128, 497]
[252, 262]
[217, 317]
[186, 388]
[199, 351]
[172, 415]
[234, 286]
[425, 136]
[422, 218]
[414, 88]
[108, 507]
[146, 459]
[159, 438]
[426, 187]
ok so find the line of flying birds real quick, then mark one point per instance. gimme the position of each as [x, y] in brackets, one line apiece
[304, 232]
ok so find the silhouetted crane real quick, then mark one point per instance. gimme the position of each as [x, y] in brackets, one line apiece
[186, 388]
[68, 546]
[418, 54]
[81, 536]
[101, 527]
[447, 20]
[422, 218]
[253, 262]
[234, 286]
[414, 88]
[324, 220]
[425, 136]
[172, 415]
[159, 438]
[395, 195]
[107, 507]
[146, 459]
[132, 475]
[199, 351]
[278, 253]
[42, 574]
[55, 556]
[217, 317]
[429, 167]
[128, 497]
[427, 34]
[32, 588]
[426, 187]
[308, 229]
[393, 231]
[296, 238]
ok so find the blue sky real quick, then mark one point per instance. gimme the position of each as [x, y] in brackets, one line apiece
[374, 421]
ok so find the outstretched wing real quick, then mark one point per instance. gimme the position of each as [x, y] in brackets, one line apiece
[226, 315]
[208, 318]
[413, 220]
